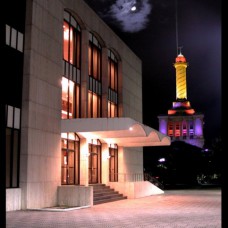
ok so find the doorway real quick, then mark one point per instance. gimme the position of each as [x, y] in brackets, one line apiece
[94, 162]
[113, 163]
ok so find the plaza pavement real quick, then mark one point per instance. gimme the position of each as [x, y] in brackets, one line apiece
[174, 209]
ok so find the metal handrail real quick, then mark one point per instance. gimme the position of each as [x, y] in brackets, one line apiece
[135, 177]
[153, 180]
[129, 177]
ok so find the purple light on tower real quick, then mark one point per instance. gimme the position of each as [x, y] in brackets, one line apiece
[198, 127]
[163, 126]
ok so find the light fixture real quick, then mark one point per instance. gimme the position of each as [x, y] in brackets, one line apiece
[161, 160]
[87, 154]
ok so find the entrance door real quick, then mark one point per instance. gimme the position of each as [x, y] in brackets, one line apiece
[94, 163]
[113, 164]
[70, 159]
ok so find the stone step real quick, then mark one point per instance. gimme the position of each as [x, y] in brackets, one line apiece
[104, 194]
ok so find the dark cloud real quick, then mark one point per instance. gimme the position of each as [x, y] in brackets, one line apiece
[125, 18]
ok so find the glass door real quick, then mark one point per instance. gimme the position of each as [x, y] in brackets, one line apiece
[113, 163]
[95, 163]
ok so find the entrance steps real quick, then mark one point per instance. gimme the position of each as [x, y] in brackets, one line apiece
[104, 194]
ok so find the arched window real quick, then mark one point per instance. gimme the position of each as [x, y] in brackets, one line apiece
[94, 96]
[113, 85]
[71, 79]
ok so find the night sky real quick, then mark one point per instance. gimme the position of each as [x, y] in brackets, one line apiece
[153, 31]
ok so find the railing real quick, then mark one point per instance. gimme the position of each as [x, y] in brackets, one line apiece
[129, 177]
[135, 177]
[153, 180]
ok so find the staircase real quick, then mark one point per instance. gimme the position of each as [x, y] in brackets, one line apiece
[104, 194]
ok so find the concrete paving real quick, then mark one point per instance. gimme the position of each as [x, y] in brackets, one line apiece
[175, 208]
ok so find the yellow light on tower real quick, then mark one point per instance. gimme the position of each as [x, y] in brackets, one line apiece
[181, 84]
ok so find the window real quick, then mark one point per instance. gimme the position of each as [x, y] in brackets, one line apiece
[71, 40]
[94, 96]
[94, 105]
[14, 38]
[70, 99]
[71, 79]
[12, 146]
[191, 130]
[177, 130]
[70, 159]
[170, 129]
[184, 130]
[113, 85]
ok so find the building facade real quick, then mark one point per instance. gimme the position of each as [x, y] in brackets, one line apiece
[182, 122]
[72, 107]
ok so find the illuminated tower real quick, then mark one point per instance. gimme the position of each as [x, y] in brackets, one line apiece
[182, 122]
[181, 86]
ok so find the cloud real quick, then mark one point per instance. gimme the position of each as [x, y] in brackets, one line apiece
[126, 18]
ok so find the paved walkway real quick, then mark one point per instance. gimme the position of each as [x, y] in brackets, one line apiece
[174, 208]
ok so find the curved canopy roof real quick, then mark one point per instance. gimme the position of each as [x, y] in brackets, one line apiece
[124, 132]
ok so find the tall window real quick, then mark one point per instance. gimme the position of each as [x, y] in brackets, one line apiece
[70, 99]
[12, 146]
[94, 96]
[70, 159]
[14, 38]
[170, 129]
[113, 85]
[71, 79]
[177, 130]
[191, 130]
[184, 130]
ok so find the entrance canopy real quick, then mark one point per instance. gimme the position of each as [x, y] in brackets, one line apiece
[124, 132]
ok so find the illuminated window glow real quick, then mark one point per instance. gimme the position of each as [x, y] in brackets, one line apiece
[113, 85]
[71, 67]
[177, 130]
[170, 129]
[94, 94]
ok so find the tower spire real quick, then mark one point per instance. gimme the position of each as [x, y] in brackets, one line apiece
[177, 44]
[180, 53]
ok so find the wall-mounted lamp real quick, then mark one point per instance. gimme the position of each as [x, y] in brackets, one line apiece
[87, 154]
[106, 156]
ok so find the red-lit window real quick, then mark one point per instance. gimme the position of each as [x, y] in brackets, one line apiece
[94, 94]
[170, 129]
[184, 130]
[177, 130]
[70, 97]
[113, 85]
[71, 79]
[71, 41]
